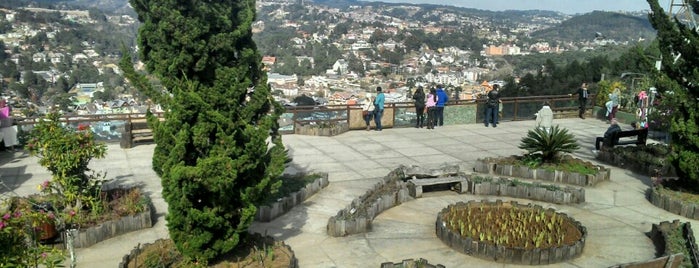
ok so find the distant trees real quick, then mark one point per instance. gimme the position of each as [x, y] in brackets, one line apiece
[218, 151]
[678, 83]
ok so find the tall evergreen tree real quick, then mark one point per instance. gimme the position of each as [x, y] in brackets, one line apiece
[678, 83]
[218, 151]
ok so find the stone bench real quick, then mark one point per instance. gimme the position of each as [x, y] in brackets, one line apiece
[415, 185]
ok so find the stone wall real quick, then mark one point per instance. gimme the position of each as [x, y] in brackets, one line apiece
[410, 263]
[321, 129]
[276, 209]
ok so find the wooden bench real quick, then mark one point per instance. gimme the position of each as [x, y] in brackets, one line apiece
[615, 139]
[136, 131]
[415, 185]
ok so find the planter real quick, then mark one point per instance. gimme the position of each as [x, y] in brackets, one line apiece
[491, 166]
[276, 209]
[512, 235]
[93, 235]
[673, 204]
[47, 230]
[532, 191]
[321, 129]
[409, 263]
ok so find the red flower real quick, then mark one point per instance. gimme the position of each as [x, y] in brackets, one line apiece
[82, 127]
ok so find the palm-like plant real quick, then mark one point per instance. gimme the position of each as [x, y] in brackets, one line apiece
[549, 143]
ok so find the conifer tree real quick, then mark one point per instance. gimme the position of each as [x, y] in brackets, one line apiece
[217, 151]
[678, 82]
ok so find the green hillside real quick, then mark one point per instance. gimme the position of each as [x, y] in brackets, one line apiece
[617, 26]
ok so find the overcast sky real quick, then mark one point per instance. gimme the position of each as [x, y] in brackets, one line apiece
[564, 6]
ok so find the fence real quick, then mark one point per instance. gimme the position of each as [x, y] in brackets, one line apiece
[109, 127]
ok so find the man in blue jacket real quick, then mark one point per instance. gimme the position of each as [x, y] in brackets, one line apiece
[442, 99]
[378, 108]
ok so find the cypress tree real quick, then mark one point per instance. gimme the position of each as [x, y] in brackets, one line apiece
[217, 151]
[678, 82]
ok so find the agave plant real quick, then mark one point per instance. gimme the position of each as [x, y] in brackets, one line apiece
[549, 143]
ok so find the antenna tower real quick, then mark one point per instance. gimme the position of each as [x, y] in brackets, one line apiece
[683, 12]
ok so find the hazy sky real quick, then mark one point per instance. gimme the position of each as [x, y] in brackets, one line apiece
[564, 6]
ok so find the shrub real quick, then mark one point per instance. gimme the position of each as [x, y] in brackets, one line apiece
[66, 152]
[549, 144]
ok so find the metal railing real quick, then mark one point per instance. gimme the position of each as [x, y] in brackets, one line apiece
[111, 126]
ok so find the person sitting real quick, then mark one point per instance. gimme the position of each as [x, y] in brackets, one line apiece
[544, 117]
[614, 127]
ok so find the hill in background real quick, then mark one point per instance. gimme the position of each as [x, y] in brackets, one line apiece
[617, 26]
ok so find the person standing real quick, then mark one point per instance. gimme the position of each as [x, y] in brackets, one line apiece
[544, 117]
[419, 97]
[442, 99]
[492, 106]
[582, 93]
[431, 104]
[8, 129]
[368, 110]
[378, 108]
[614, 98]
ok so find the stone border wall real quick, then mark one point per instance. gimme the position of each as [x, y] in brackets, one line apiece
[357, 217]
[109, 229]
[276, 209]
[532, 191]
[673, 205]
[137, 250]
[317, 130]
[660, 237]
[410, 263]
[541, 174]
[502, 254]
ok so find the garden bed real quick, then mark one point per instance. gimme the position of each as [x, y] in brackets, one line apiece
[519, 189]
[256, 251]
[649, 160]
[267, 213]
[673, 202]
[510, 233]
[410, 263]
[357, 217]
[509, 167]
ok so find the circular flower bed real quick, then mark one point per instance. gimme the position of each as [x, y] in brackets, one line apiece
[511, 233]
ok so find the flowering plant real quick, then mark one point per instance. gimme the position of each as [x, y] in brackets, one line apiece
[66, 153]
[19, 234]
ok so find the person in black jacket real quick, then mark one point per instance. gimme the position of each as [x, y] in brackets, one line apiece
[419, 97]
[492, 106]
[614, 127]
[582, 93]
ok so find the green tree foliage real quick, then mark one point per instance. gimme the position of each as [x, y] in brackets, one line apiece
[678, 83]
[218, 150]
[549, 144]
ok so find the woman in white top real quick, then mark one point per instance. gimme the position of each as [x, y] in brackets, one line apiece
[367, 110]
[544, 117]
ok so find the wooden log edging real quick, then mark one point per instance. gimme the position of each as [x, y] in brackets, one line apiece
[673, 204]
[488, 167]
[422, 263]
[525, 190]
[268, 213]
[93, 235]
[126, 259]
[659, 235]
[357, 216]
[502, 254]
[622, 161]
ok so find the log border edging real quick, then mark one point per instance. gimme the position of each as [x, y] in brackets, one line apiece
[126, 259]
[673, 204]
[527, 190]
[268, 213]
[106, 230]
[501, 254]
[490, 167]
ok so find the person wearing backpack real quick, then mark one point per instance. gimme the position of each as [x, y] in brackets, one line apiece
[492, 107]
[419, 97]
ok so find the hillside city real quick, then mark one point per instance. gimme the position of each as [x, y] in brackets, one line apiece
[68, 57]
